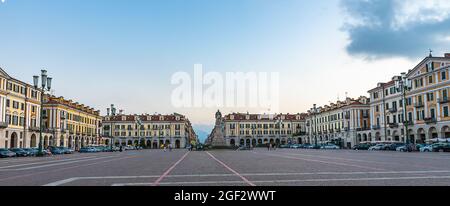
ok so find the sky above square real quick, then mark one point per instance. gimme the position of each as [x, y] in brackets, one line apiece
[103, 52]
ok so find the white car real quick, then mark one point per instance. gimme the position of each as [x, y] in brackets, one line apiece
[376, 147]
[330, 146]
[428, 148]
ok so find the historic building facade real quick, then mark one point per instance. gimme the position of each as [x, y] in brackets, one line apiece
[70, 124]
[150, 131]
[339, 122]
[19, 113]
[256, 129]
[427, 104]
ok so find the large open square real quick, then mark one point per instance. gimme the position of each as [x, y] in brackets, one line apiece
[258, 167]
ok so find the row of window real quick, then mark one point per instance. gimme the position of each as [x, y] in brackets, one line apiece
[430, 96]
[15, 120]
[142, 127]
[142, 134]
[21, 90]
[420, 115]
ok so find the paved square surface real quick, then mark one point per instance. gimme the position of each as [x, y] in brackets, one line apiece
[285, 167]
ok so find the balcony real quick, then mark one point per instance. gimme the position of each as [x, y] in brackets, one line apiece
[376, 127]
[362, 129]
[34, 129]
[393, 110]
[443, 100]
[393, 125]
[430, 120]
[3, 125]
[346, 129]
[418, 104]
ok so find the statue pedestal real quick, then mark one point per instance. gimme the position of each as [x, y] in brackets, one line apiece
[217, 135]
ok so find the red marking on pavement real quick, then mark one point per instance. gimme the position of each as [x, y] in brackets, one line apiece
[233, 171]
[170, 170]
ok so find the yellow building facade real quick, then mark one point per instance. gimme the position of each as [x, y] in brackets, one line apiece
[70, 124]
[19, 113]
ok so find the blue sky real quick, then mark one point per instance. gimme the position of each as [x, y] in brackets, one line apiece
[124, 52]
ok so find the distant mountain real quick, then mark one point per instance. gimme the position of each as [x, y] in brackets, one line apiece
[203, 131]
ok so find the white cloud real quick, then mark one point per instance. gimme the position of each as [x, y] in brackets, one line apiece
[420, 11]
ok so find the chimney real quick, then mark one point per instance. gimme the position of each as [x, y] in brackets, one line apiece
[447, 55]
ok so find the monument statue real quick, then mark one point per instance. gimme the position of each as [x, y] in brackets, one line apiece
[217, 137]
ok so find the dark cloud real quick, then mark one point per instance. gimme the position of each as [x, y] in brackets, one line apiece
[374, 36]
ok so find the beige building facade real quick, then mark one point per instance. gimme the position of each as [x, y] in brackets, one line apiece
[256, 129]
[150, 131]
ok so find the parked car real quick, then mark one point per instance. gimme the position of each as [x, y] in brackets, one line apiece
[56, 150]
[303, 146]
[427, 148]
[66, 150]
[377, 147]
[361, 147]
[441, 147]
[401, 149]
[295, 146]
[330, 146]
[285, 146]
[88, 150]
[20, 152]
[244, 148]
[393, 147]
[4, 153]
[418, 146]
[31, 151]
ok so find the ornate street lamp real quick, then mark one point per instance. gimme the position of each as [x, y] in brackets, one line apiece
[403, 85]
[46, 85]
[314, 111]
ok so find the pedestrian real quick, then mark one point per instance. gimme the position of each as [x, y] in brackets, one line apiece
[165, 148]
[170, 147]
[270, 146]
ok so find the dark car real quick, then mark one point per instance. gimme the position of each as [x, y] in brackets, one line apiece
[20, 152]
[88, 150]
[285, 146]
[393, 147]
[6, 153]
[441, 147]
[31, 151]
[361, 147]
[56, 150]
[199, 147]
[244, 148]
[66, 150]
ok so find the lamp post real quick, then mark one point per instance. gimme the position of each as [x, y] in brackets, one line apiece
[280, 122]
[138, 124]
[253, 136]
[403, 85]
[46, 85]
[314, 111]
